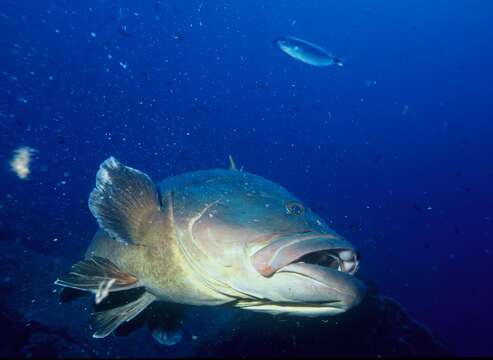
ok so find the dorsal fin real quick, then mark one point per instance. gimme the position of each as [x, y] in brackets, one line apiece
[126, 204]
[232, 165]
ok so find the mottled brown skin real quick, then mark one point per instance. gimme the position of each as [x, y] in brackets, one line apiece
[161, 269]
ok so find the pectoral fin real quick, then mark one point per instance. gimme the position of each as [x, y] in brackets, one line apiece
[97, 275]
[105, 322]
[124, 202]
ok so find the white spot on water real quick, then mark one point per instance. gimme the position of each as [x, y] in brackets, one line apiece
[21, 161]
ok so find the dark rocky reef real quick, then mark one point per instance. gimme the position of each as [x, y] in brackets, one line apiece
[35, 324]
[378, 328]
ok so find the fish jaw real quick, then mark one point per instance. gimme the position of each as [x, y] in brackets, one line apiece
[332, 290]
[306, 274]
[308, 290]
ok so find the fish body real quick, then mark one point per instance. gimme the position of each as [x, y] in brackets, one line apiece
[306, 52]
[211, 237]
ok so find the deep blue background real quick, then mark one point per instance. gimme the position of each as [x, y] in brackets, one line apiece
[412, 189]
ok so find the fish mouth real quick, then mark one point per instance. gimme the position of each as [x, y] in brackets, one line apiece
[309, 274]
[329, 251]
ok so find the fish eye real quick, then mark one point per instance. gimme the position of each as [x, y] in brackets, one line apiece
[295, 208]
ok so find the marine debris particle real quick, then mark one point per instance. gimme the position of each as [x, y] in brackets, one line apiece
[103, 290]
[21, 160]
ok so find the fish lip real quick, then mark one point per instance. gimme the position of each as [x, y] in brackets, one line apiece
[353, 289]
[284, 250]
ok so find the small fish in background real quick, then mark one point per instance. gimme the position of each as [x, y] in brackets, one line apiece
[306, 52]
[369, 83]
[21, 160]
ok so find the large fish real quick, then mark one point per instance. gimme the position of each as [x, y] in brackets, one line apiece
[208, 238]
[306, 52]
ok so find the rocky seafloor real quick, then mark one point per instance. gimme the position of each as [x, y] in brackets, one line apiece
[36, 324]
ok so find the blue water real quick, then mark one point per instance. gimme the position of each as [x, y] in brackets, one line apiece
[393, 149]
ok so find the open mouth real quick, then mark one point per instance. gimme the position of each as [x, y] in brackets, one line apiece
[325, 250]
[344, 260]
[311, 274]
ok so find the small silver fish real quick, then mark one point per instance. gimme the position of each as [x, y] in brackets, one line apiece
[307, 52]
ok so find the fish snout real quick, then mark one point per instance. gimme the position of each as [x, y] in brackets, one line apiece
[329, 250]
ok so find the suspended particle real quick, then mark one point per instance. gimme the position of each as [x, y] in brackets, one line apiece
[21, 161]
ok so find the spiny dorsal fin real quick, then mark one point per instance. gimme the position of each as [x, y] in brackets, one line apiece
[125, 202]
